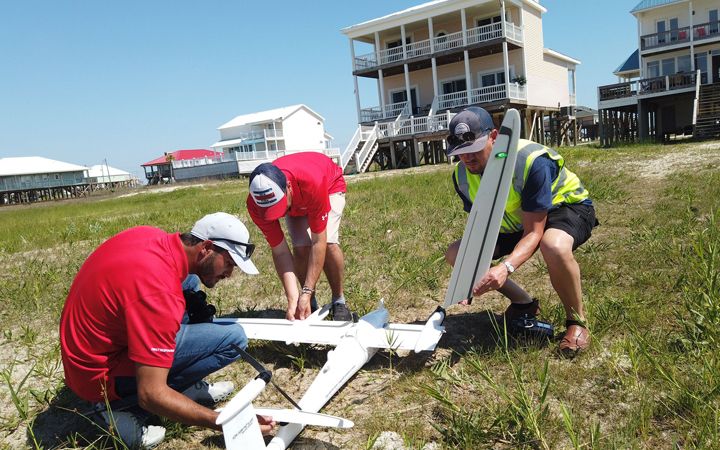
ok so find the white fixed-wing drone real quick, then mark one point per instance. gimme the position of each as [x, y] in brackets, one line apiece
[356, 342]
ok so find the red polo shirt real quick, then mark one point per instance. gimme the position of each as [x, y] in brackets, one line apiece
[124, 307]
[312, 177]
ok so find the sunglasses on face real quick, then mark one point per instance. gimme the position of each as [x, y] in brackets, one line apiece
[249, 248]
[458, 139]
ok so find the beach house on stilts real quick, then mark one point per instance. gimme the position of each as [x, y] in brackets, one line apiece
[434, 59]
[670, 85]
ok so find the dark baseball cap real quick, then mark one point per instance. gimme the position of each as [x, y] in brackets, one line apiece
[469, 131]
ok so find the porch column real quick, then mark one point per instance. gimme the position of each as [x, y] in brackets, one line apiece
[381, 91]
[402, 43]
[407, 88]
[502, 18]
[377, 49]
[506, 66]
[431, 32]
[355, 81]
[506, 63]
[468, 80]
[521, 22]
[692, 37]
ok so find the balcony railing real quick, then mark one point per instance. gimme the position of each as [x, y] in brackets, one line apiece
[648, 86]
[706, 30]
[481, 95]
[414, 125]
[379, 113]
[619, 90]
[680, 35]
[440, 44]
[247, 156]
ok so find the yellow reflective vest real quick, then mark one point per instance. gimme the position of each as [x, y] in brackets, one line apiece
[566, 187]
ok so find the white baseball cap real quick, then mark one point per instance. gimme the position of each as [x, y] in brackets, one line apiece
[227, 232]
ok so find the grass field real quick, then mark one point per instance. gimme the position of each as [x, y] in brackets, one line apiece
[651, 283]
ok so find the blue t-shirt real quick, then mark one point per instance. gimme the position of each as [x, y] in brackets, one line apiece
[537, 193]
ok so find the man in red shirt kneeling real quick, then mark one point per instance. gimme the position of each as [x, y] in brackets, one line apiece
[121, 332]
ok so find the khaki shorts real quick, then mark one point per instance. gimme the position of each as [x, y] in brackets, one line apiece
[299, 229]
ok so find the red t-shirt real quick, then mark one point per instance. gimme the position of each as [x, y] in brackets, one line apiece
[312, 177]
[124, 307]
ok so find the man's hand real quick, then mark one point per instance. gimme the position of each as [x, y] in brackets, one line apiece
[303, 310]
[266, 424]
[494, 279]
[290, 314]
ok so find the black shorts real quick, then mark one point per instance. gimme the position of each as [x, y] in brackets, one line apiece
[577, 220]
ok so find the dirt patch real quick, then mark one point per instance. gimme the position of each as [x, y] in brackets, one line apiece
[690, 156]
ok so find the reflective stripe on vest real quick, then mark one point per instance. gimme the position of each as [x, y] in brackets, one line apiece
[566, 188]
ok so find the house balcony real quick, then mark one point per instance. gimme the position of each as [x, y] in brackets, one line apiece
[377, 113]
[680, 36]
[478, 41]
[478, 96]
[252, 137]
[622, 94]
[488, 94]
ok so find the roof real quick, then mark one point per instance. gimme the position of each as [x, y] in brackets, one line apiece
[561, 56]
[422, 11]
[180, 155]
[650, 4]
[103, 170]
[28, 165]
[268, 116]
[631, 64]
[585, 111]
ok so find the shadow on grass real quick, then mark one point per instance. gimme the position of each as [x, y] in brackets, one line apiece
[482, 333]
[66, 423]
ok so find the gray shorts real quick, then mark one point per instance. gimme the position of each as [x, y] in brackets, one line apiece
[299, 229]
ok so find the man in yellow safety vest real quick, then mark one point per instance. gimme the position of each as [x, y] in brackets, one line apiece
[547, 208]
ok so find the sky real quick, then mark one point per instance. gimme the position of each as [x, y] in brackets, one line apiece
[86, 81]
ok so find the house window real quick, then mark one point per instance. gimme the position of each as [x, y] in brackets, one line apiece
[660, 27]
[493, 79]
[701, 63]
[488, 21]
[459, 85]
[713, 19]
[683, 64]
[668, 66]
[653, 69]
[673, 29]
[401, 96]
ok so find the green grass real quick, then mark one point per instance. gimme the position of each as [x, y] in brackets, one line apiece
[650, 281]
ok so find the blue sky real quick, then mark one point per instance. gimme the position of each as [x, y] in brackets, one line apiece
[86, 80]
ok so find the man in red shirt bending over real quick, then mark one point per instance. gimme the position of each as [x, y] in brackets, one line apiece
[121, 332]
[308, 189]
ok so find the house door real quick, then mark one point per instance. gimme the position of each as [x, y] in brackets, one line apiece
[716, 68]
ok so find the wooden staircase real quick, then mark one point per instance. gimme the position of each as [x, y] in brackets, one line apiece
[708, 118]
[351, 165]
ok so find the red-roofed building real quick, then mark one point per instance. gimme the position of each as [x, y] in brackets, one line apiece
[160, 168]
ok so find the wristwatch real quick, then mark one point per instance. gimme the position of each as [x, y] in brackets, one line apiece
[510, 267]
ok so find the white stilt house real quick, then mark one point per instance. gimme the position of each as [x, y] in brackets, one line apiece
[432, 60]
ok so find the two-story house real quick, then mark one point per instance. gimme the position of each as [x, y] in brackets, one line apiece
[434, 59]
[261, 134]
[252, 139]
[671, 83]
